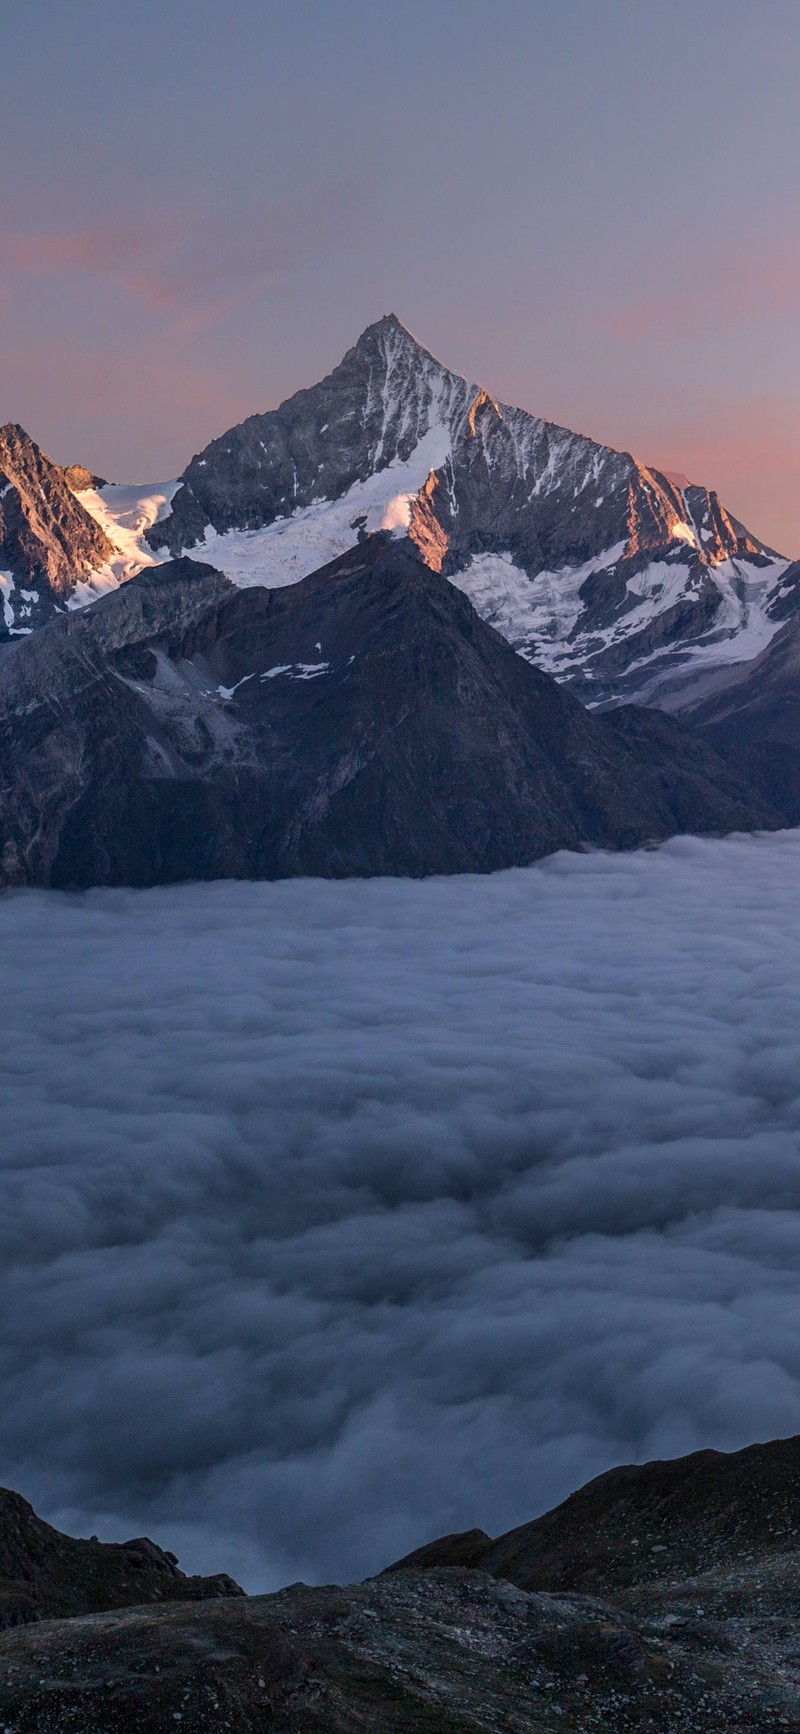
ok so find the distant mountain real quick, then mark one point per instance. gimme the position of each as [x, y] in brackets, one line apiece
[609, 575]
[659, 1598]
[363, 721]
[621, 581]
[48, 541]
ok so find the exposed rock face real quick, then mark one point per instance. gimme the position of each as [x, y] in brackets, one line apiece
[78, 478]
[48, 541]
[606, 573]
[364, 721]
[45, 1575]
[372, 411]
[694, 1629]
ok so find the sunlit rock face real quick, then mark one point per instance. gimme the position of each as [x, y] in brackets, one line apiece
[48, 541]
[615, 578]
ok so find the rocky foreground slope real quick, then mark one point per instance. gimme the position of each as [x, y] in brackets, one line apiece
[661, 1598]
[364, 721]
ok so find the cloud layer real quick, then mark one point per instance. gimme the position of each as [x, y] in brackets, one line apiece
[333, 1217]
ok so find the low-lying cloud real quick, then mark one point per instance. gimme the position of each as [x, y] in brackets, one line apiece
[336, 1216]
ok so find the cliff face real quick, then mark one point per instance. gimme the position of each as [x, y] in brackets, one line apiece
[48, 541]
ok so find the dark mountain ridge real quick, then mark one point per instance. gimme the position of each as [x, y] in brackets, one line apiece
[47, 1575]
[645, 1523]
[363, 721]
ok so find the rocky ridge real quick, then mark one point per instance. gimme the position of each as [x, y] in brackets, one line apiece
[645, 1524]
[47, 1575]
[608, 574]
[363, 721]
[48, 541]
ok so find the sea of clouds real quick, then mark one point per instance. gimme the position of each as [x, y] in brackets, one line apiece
[337, 1216]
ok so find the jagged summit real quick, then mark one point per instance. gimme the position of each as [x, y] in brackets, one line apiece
[609, 574]
[388, 322]
[620, 580]
[389, 401]
[48, 541]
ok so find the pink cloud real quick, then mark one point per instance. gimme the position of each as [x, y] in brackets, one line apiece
[177, 271]
[138, 411]
[722, 291]
[105, 250]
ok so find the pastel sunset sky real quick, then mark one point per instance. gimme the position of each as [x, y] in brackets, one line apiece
[591, 206]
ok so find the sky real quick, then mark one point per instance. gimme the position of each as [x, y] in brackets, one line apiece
[335, 1216]
[591, 206]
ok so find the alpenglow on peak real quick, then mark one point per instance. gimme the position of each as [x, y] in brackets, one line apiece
[618, 579]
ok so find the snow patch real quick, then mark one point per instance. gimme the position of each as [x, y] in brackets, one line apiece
[290, 548]
[541, 616]
[226, 692]
[538, 614]
[6, 588]
[297, 670]
[683, 532]
[124, 513]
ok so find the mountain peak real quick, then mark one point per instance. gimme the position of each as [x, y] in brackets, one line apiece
[48, 541]
[14, 438]
[391, 338]
[606, 573]
[388, 322]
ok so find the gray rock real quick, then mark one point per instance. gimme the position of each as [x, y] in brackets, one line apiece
[364, 721]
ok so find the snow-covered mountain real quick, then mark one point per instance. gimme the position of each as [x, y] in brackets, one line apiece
[606, 573]
[617, 579]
